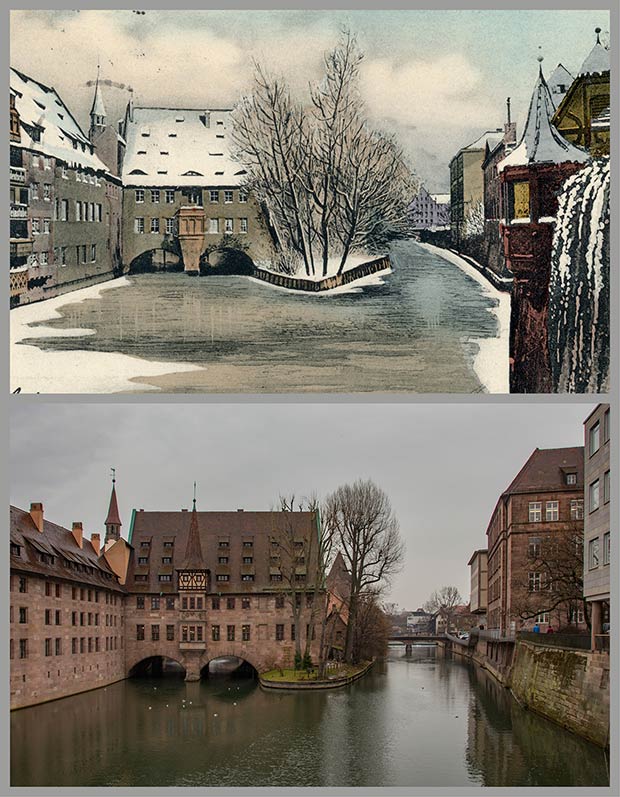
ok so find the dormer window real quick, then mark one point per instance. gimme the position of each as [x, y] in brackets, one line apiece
[571, 478]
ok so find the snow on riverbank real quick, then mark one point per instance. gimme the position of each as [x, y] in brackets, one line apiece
[491, 362]
[351, 287]
[35, 370]
[333, 264]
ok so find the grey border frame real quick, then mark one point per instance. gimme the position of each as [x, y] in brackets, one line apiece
[33, 401]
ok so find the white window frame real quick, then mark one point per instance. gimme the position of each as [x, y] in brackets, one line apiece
[243, 197]
[228, 197]
[214, 226]
[78, 210]
[93, 253]
[170, 196]
[552, 511]
[44, 258]
[576, 509]
[155, 195]
[535, 511]
[571, 478]
[35, 226]
[214, 196]
[534, 581]
[46, 226]
[170, 226]
[594, 550]
[243, 225]
[594, 438]
[229, 226]
[139, 197]
[155, 225]
[594, 496]
[138, 225]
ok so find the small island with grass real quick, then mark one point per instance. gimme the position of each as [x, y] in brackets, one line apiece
[335, 674]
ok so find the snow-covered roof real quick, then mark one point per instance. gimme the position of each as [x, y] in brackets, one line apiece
[597, 60]
[490, 137]
[179, 147]
[541, 142]
[40, 108]
[560, 80]
[441, 199]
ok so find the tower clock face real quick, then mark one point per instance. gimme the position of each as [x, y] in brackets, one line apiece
[195, 580]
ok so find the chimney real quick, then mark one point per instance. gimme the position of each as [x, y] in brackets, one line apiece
[95, 541]
[77, 532]
[510, 128]
[36, 513]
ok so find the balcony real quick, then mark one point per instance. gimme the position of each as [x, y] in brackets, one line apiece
[17, 174]
[19, 211]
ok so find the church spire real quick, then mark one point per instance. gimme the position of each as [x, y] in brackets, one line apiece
[113, 521]
[97, 111]
[193, 550]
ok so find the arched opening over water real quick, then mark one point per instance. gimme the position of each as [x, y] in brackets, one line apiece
[229, 667]
[162, 259]
[157, 667]
[227, 260]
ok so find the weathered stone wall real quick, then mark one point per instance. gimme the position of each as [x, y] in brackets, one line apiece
[570, 687]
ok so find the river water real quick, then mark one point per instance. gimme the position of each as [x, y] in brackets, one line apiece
[419, 330]
[419, 720]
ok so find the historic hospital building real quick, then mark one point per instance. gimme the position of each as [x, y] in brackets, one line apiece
[189, 586]
[157, 189]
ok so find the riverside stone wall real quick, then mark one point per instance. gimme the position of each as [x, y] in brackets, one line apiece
[570, 687]
[327, 284]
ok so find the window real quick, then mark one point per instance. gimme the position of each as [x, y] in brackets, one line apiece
[155, 633]
[169, 602]
[57, 617]
[230, 633]
[293, 632]
[214, 196]
[228, 226]
[606, 427]
[155, 603]
[64, 173]
[243, 197]
[46, 226]
[230, 603]
[138, 225]
[245, 633]
[594, 496]
[593, 553]
[247, 577]
[606, 487]
[169, 196]
[279, 601]
[535, 511]
[228, 197]
[140, 631]
[275, 577]
[576, 616]
[74, 645]
[99, 209]
[595, 438]
[245, 603]
[169, 226]
[139, 195]
[215, 603]
[140, 602]
[36, 226]
[74, 618]
[48, 589]
[606, 544]
[63, 255]
[552, 510]
[221, 577]
[82, 644]
[93, 253]
[214, 226]
[23, 614]
[223, 543]
[165, 577]
[154, 225]
[145, 544]
[542, 617]
[166, 560]
[64, 209]
[48, 617]
[243, 225]
[57, 647]
[534, 581]
[48, 647]
[576, 509]
[279, 632]
[22, 584]
[155, 195]
[247, 560]
[248, 544]
[143, 560]
[47, 191]
[78, 210]
[215, 633]
[222, 560]
[168, 544]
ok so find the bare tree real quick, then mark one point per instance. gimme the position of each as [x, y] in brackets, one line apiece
[443, 602]
[553, 582]
[331, 183]
[362, 523]
[371, 630]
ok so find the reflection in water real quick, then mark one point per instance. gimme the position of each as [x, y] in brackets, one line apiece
[410, 333]
[418, 720]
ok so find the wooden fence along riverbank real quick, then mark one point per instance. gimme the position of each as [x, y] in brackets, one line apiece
[327, 284]
[327, 683]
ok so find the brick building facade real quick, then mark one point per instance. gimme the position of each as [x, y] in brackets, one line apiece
[188, 587]
[536, 521]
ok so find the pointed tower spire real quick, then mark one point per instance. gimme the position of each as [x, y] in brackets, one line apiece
[113, 521]
[193, 550]
[97, 111]
[541, 141]
[597, 60]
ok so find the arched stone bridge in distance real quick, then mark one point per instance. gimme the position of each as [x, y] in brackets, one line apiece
[409, 640]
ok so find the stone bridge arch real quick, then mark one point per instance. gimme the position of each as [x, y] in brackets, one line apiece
[142, 663]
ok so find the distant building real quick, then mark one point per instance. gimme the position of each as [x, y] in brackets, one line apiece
[184, 195]
[430, 211]
[541, 510]
[531, 176]
[338, 584]
[64, 200]
[478, 567]
[418, 622]
[582, 116]
[466, 182]
[597, 555]
[559, 82]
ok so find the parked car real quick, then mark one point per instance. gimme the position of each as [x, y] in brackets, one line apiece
[463, 635]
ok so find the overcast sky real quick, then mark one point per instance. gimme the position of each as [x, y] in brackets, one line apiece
[437, 79]
[442, 466]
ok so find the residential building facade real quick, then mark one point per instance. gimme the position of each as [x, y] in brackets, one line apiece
[478, 569]
[430, 211]
[535, 531]
[65, 231]
[597, 551]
